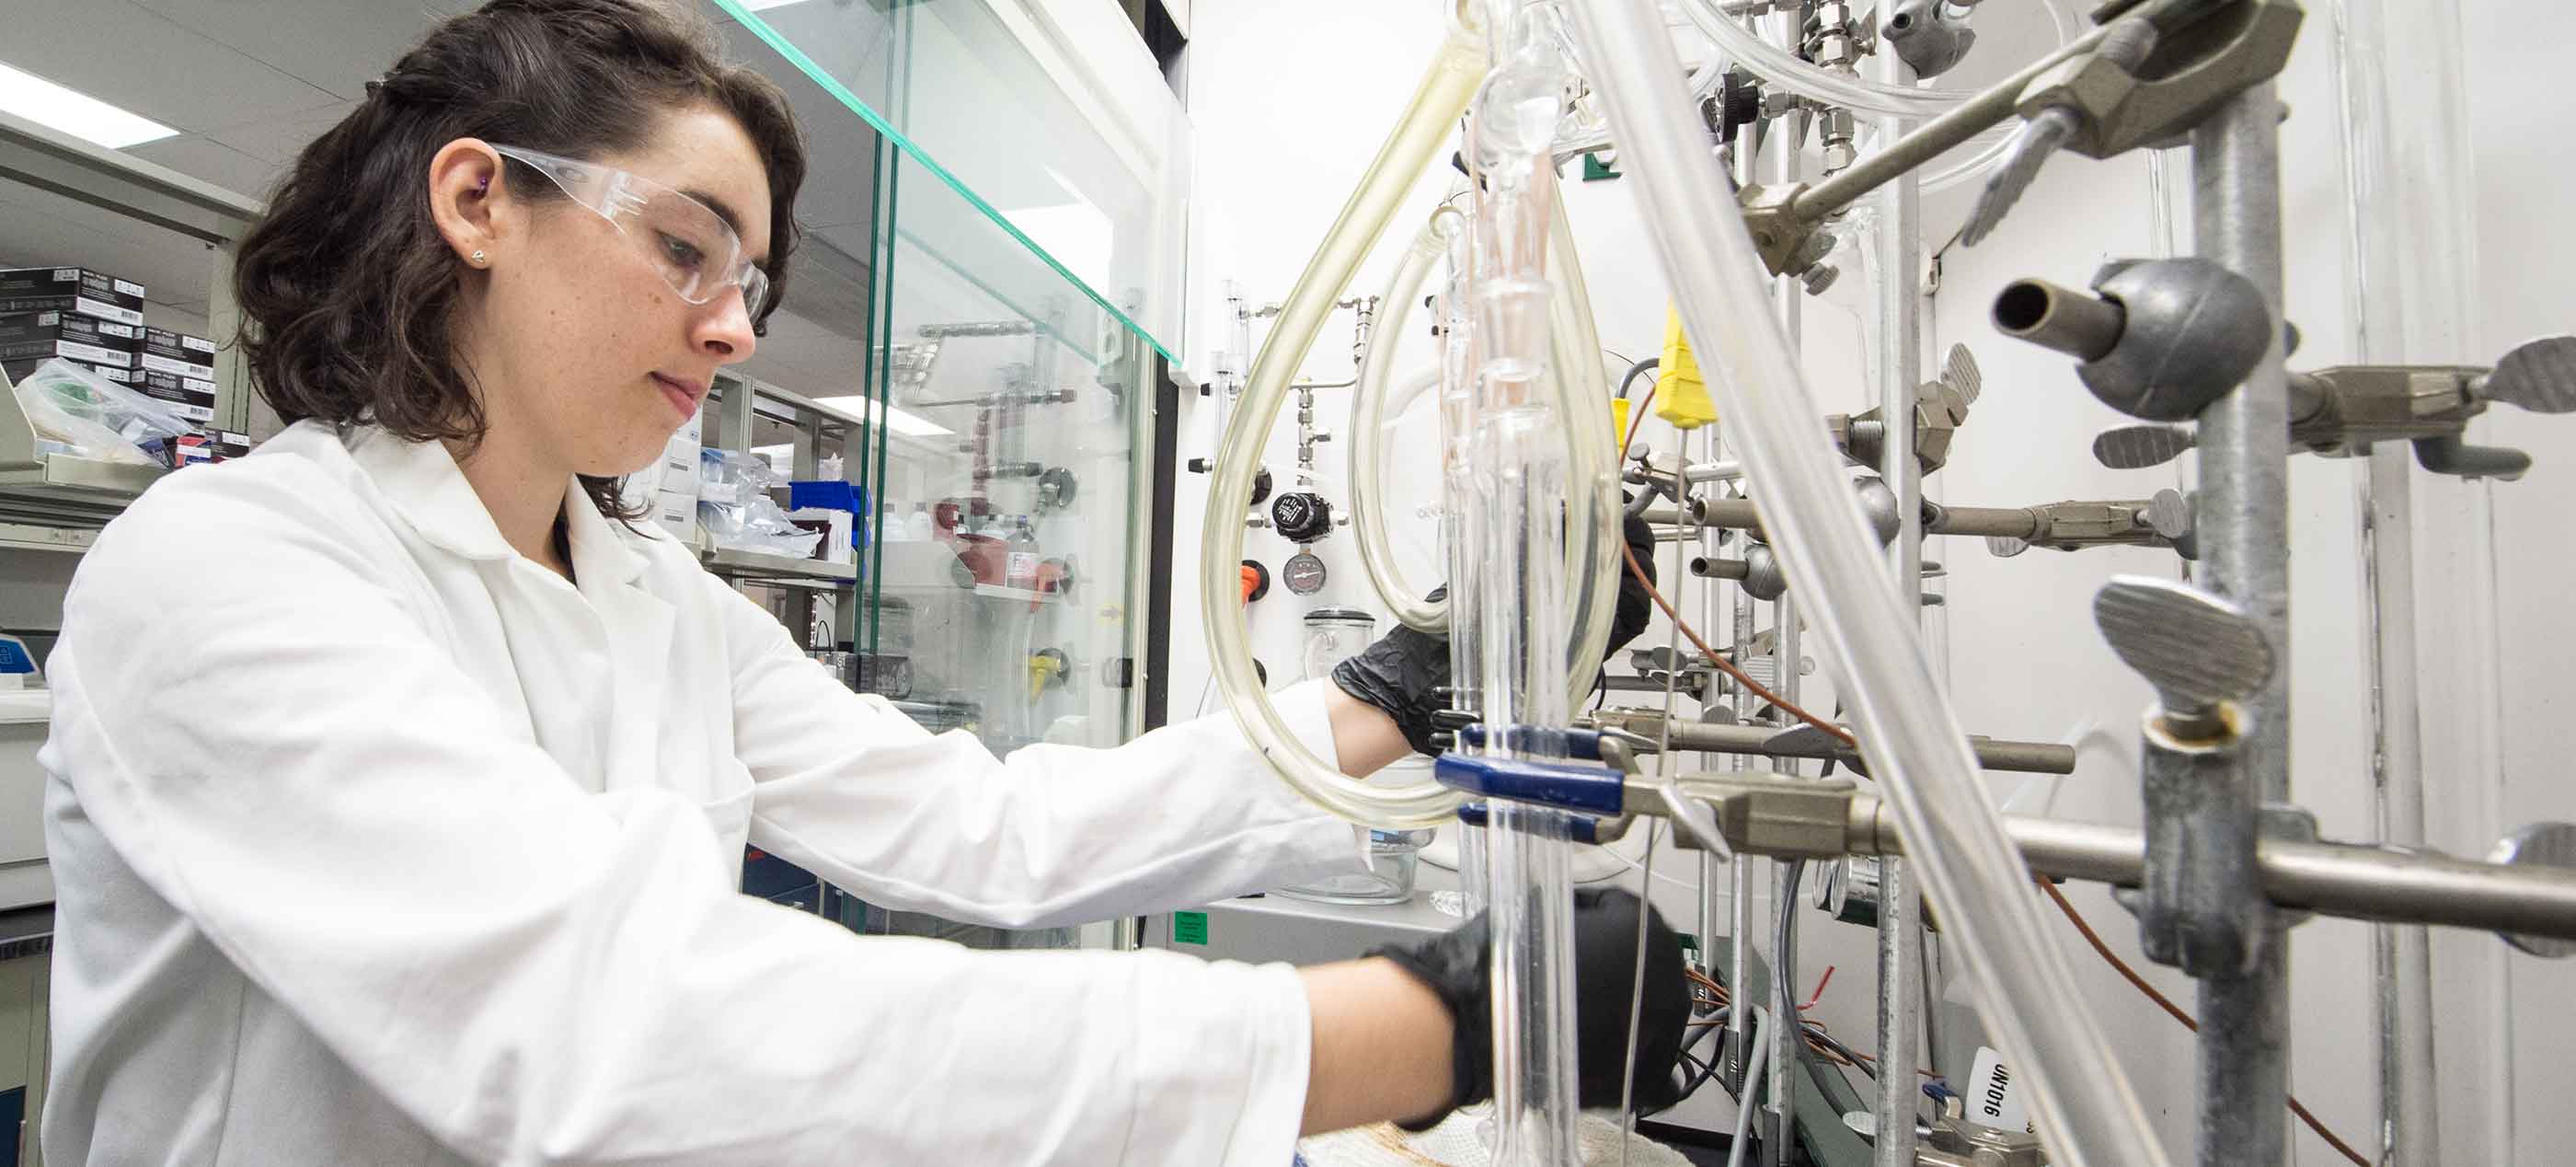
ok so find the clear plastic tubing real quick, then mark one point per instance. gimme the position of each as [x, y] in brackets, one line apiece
[1906, 725]
[1418, 137]
[1777, 66]
[1574, 348]
[1369, 407]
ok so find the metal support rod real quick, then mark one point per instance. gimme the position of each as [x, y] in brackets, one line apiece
[1987, 522]
[1964, 121]
[1706, 737]
[2355, 881]
[1789, 298]
[1900, 375]
[2243, 521]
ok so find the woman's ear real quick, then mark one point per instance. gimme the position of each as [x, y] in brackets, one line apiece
[469, 202]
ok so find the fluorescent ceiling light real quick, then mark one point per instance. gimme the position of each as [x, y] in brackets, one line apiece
[75, 113]
[909, 425]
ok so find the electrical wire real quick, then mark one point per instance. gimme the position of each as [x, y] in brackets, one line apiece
[2176, 1011]
[1629, 381]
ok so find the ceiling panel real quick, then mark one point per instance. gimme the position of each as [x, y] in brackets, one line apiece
[279, 140]
[337, 46]
[212, 161]
[120, 52]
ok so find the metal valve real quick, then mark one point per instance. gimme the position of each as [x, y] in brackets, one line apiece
[1302, 516]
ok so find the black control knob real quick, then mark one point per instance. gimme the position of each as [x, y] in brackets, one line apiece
[1301, 516]
[1260, 485]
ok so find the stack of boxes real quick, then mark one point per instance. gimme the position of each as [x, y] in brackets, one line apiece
[96, 321]
[73, 313]
[670, 485]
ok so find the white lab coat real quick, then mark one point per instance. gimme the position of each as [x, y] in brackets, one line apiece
[380, 844]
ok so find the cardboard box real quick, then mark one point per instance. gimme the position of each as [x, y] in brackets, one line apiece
[71, 289]
[18, 370]
[40, 335]
[188, 397]
[677, 511]
[178, 354]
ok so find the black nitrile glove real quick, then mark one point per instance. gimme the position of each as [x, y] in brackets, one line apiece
[1405, 671]
[1457, 968]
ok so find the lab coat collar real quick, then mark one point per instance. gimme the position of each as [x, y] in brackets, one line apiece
[600, 548]
[423, 482]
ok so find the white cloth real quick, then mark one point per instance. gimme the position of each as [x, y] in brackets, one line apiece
[381, 844]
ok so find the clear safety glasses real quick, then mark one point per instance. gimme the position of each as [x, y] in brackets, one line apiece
[697, 252]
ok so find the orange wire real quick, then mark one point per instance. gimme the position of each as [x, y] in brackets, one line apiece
[1635, 420]
[2166, 1003]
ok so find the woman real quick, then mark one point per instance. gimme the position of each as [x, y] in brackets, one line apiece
[399, 788]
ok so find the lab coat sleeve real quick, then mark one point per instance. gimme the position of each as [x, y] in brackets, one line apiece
[535, 974]
[847, 787]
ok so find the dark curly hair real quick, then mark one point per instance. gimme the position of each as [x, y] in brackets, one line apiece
[346, 286]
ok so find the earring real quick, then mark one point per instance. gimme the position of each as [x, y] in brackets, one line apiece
[478, 259]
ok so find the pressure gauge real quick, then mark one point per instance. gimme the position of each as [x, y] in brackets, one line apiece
[1304, 573]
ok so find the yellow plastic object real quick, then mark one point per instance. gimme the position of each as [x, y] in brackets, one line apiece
[1043, 667]
[1681, 397]
[1619, 423]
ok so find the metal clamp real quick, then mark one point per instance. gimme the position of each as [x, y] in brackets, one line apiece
[2198, 905]
[1940, 408]
[2341, 411]
[2164, 520]
[1590, 789]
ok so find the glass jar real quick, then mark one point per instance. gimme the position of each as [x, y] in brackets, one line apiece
[1334, 635]
[1393, 860]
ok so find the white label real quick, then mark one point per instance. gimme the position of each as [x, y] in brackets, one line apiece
[129, 287]
[1021, 565]
[90, 352]
[190, 412]
[124, 330]
[106, 311]
[121, 376]
[1991, 1096]
[194, 385]
[199, 343]
[174, 368]
[66, 274]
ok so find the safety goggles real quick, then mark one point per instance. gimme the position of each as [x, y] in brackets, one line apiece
[694, 249]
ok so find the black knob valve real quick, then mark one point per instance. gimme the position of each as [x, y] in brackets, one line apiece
[1301, 516]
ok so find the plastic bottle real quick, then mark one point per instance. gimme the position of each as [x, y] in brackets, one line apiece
[1021, 570]
[917, 527]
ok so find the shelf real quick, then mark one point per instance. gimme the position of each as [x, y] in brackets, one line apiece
[780, 569]
[38, 537]
[1023, 595]
[68, 490]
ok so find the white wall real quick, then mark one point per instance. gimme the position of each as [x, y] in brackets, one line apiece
[1290, 98]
